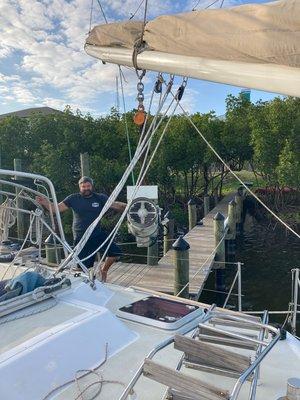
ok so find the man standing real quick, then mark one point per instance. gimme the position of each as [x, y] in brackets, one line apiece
[86, 206]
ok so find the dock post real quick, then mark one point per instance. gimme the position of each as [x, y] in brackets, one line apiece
[192, 210]
[152, 254]
[239, 198]
[85, 164]
[19, 203]
[53, 255]
[219, 264]
[231, 233]
[168, 233]
[206, 205]
[182, 267]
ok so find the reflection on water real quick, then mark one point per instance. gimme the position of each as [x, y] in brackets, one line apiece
[268, 255]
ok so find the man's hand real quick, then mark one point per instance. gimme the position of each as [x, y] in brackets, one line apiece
[48, 205]
[118, 206]
[42, 201]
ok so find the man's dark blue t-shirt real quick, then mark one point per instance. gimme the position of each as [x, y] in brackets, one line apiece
[85, 210]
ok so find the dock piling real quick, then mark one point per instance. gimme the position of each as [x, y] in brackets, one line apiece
[168, 233]
[192, 210]
[181, 260]
[85, 164]
[219, 264]
[206, 205]
[152, 254]
[239, 199]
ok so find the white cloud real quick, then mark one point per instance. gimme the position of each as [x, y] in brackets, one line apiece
[47, 39]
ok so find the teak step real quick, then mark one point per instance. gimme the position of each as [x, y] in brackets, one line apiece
[205, 335]
[235, 324]
[210, 355]
[181, 385]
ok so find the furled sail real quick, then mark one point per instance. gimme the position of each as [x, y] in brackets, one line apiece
[253, 45]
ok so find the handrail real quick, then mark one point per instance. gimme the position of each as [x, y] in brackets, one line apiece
[61, 237]
[296, 282]
[242, 379]
[259, 349]
[52, 191]
[154, 351]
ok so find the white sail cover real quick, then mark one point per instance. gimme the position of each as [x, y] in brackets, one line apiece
[257, 34]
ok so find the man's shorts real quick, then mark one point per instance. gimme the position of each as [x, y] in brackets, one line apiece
[95, 240]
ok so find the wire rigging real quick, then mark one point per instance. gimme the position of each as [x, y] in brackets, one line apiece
[233, 173]
[102, 11]
[132, 15]
[126, 124]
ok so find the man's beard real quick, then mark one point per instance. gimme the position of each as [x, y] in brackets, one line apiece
[86, 193]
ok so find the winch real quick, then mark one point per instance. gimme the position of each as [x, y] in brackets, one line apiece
[143, 220]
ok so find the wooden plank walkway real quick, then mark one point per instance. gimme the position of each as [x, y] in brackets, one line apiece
[161, 277]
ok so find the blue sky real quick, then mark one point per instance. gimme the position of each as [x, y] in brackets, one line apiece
[42, 61]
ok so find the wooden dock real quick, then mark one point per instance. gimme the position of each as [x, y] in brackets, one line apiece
[161, 277]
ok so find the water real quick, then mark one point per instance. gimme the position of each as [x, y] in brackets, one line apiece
[268, 255]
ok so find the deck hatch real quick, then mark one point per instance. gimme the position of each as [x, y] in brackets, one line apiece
[160, 312]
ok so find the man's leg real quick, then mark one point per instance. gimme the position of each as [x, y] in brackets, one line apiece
[88, 248]
[105, 267]
[112, 254]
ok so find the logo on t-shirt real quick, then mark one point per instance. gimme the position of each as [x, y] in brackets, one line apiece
[95, 204]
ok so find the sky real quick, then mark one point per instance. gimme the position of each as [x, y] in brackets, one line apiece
[43, 63]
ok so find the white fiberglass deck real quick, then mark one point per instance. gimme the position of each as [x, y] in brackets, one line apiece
[73, 334]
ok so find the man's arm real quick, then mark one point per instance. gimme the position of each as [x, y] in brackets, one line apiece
[118, 206]
[48, 205]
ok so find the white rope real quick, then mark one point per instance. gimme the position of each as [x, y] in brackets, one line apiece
[139, 181]
[139, 151]
[8, 217]
[19, 251]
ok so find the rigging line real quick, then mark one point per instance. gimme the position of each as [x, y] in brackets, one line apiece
[145, 19]
[234, 174]
[211, 4]
[141, 177]
[142, 173]
[126, 124]
[134, 14]
[18, 252]
[140, 149]
[222, 2]
[102, 11]
[91, 15]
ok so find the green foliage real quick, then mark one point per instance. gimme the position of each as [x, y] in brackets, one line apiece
[266, 135]
[275, 140]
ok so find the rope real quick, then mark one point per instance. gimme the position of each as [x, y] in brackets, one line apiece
[102, 11]
[140, 179]
[91, 15]
[139, 151]
[19, 251]
[234, 174]
[85, 372]
[126, 125]
[8, 218]
[134, 14]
